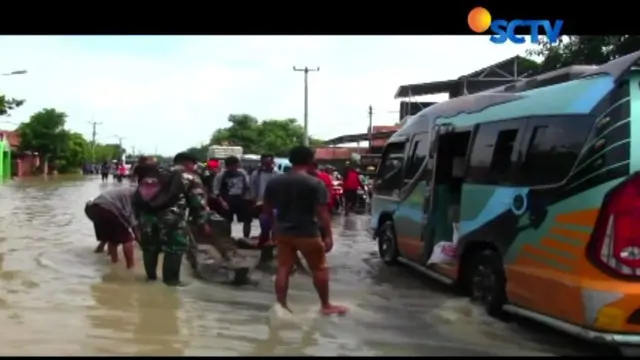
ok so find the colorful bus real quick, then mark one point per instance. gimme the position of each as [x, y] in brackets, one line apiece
[526, 198]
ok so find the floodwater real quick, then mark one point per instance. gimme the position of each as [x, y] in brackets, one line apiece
[59, 298]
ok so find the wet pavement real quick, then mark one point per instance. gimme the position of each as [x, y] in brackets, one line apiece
[59, 298]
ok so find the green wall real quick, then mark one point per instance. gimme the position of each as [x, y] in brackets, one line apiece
[5, 161]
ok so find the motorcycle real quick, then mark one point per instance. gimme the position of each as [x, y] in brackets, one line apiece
[362, 202]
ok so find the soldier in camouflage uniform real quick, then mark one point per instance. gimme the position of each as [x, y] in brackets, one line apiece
[167, 231]
[220, 232]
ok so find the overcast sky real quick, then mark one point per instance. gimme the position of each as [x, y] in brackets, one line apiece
[172, 92]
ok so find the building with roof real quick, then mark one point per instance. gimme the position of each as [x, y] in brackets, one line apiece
[499, 74]
[23, 163]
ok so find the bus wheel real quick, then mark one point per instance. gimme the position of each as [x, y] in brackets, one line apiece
[387, 245]
[487, 282]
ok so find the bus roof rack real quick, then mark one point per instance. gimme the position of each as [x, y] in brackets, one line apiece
[547, 79]
[615, 68]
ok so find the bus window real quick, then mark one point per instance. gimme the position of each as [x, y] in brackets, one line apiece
[286, 168]
[417, 156]
[389, 176]
[493, 152]
[552, 148]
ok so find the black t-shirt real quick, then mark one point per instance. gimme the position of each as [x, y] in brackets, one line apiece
[295, 197]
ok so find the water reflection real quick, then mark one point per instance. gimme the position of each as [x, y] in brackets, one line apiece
[157, 330]
[111, 317]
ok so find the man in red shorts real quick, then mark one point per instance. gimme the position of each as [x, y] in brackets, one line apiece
[113, 222]
[301, 200]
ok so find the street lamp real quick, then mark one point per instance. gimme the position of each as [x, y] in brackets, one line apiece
[17, 72]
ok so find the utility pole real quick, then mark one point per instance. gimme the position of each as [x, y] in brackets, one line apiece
[370, 131]
[306, 71]
[93, 124]
[122, 151]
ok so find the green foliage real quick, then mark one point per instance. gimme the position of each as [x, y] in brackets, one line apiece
[584, 50]
[8, 104]
[105, 152]
[65, 150]
[275, 136]
[44, 133]
[73, 153]
[200, 152]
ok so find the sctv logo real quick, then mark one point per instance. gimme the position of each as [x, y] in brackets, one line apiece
[479, 20]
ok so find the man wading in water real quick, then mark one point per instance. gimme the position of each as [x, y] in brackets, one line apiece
[113, 221]
[231, 188]
[104, 171]
[301, 200]
[258, 184]
[163, 200]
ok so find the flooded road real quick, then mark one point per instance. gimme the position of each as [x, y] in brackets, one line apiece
[59, 298]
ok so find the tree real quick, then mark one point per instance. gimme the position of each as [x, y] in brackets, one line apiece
[584, 50]
[8, 104]
[200, 152]
[104, 152]
[73, 153]
[275, 136]
[44, 133]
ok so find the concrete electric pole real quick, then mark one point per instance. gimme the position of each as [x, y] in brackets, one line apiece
[120, 138]
[306, 71]
[370, 130]
[93, 124]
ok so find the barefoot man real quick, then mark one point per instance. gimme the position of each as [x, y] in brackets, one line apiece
[301, 200]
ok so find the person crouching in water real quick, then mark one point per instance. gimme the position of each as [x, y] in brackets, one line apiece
[301, 200]
[258, 182]
[163, 200]
[113, 221]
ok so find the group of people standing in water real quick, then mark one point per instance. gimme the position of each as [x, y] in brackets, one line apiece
[292, 208]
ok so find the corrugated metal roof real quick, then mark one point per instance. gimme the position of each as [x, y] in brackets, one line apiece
[503, 73]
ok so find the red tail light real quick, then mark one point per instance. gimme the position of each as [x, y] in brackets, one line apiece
[615, 242]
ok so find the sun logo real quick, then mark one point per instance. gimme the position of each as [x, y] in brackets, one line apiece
[479, 19]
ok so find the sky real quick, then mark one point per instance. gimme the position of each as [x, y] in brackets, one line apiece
[167, 93]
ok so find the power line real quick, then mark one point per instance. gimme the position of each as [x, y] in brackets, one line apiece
[306, 71]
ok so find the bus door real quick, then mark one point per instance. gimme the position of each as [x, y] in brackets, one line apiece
[410, 216]
[427, 239]
[388, 181]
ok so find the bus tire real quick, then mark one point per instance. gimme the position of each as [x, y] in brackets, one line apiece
[387, 244]
[487, 282]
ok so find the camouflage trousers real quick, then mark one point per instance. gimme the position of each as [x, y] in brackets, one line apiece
[157, 237]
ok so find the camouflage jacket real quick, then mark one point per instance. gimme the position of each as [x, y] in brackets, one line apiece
[192, 204]
[205, 176]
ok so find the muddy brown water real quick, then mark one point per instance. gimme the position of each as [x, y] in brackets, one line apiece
[59, 298]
